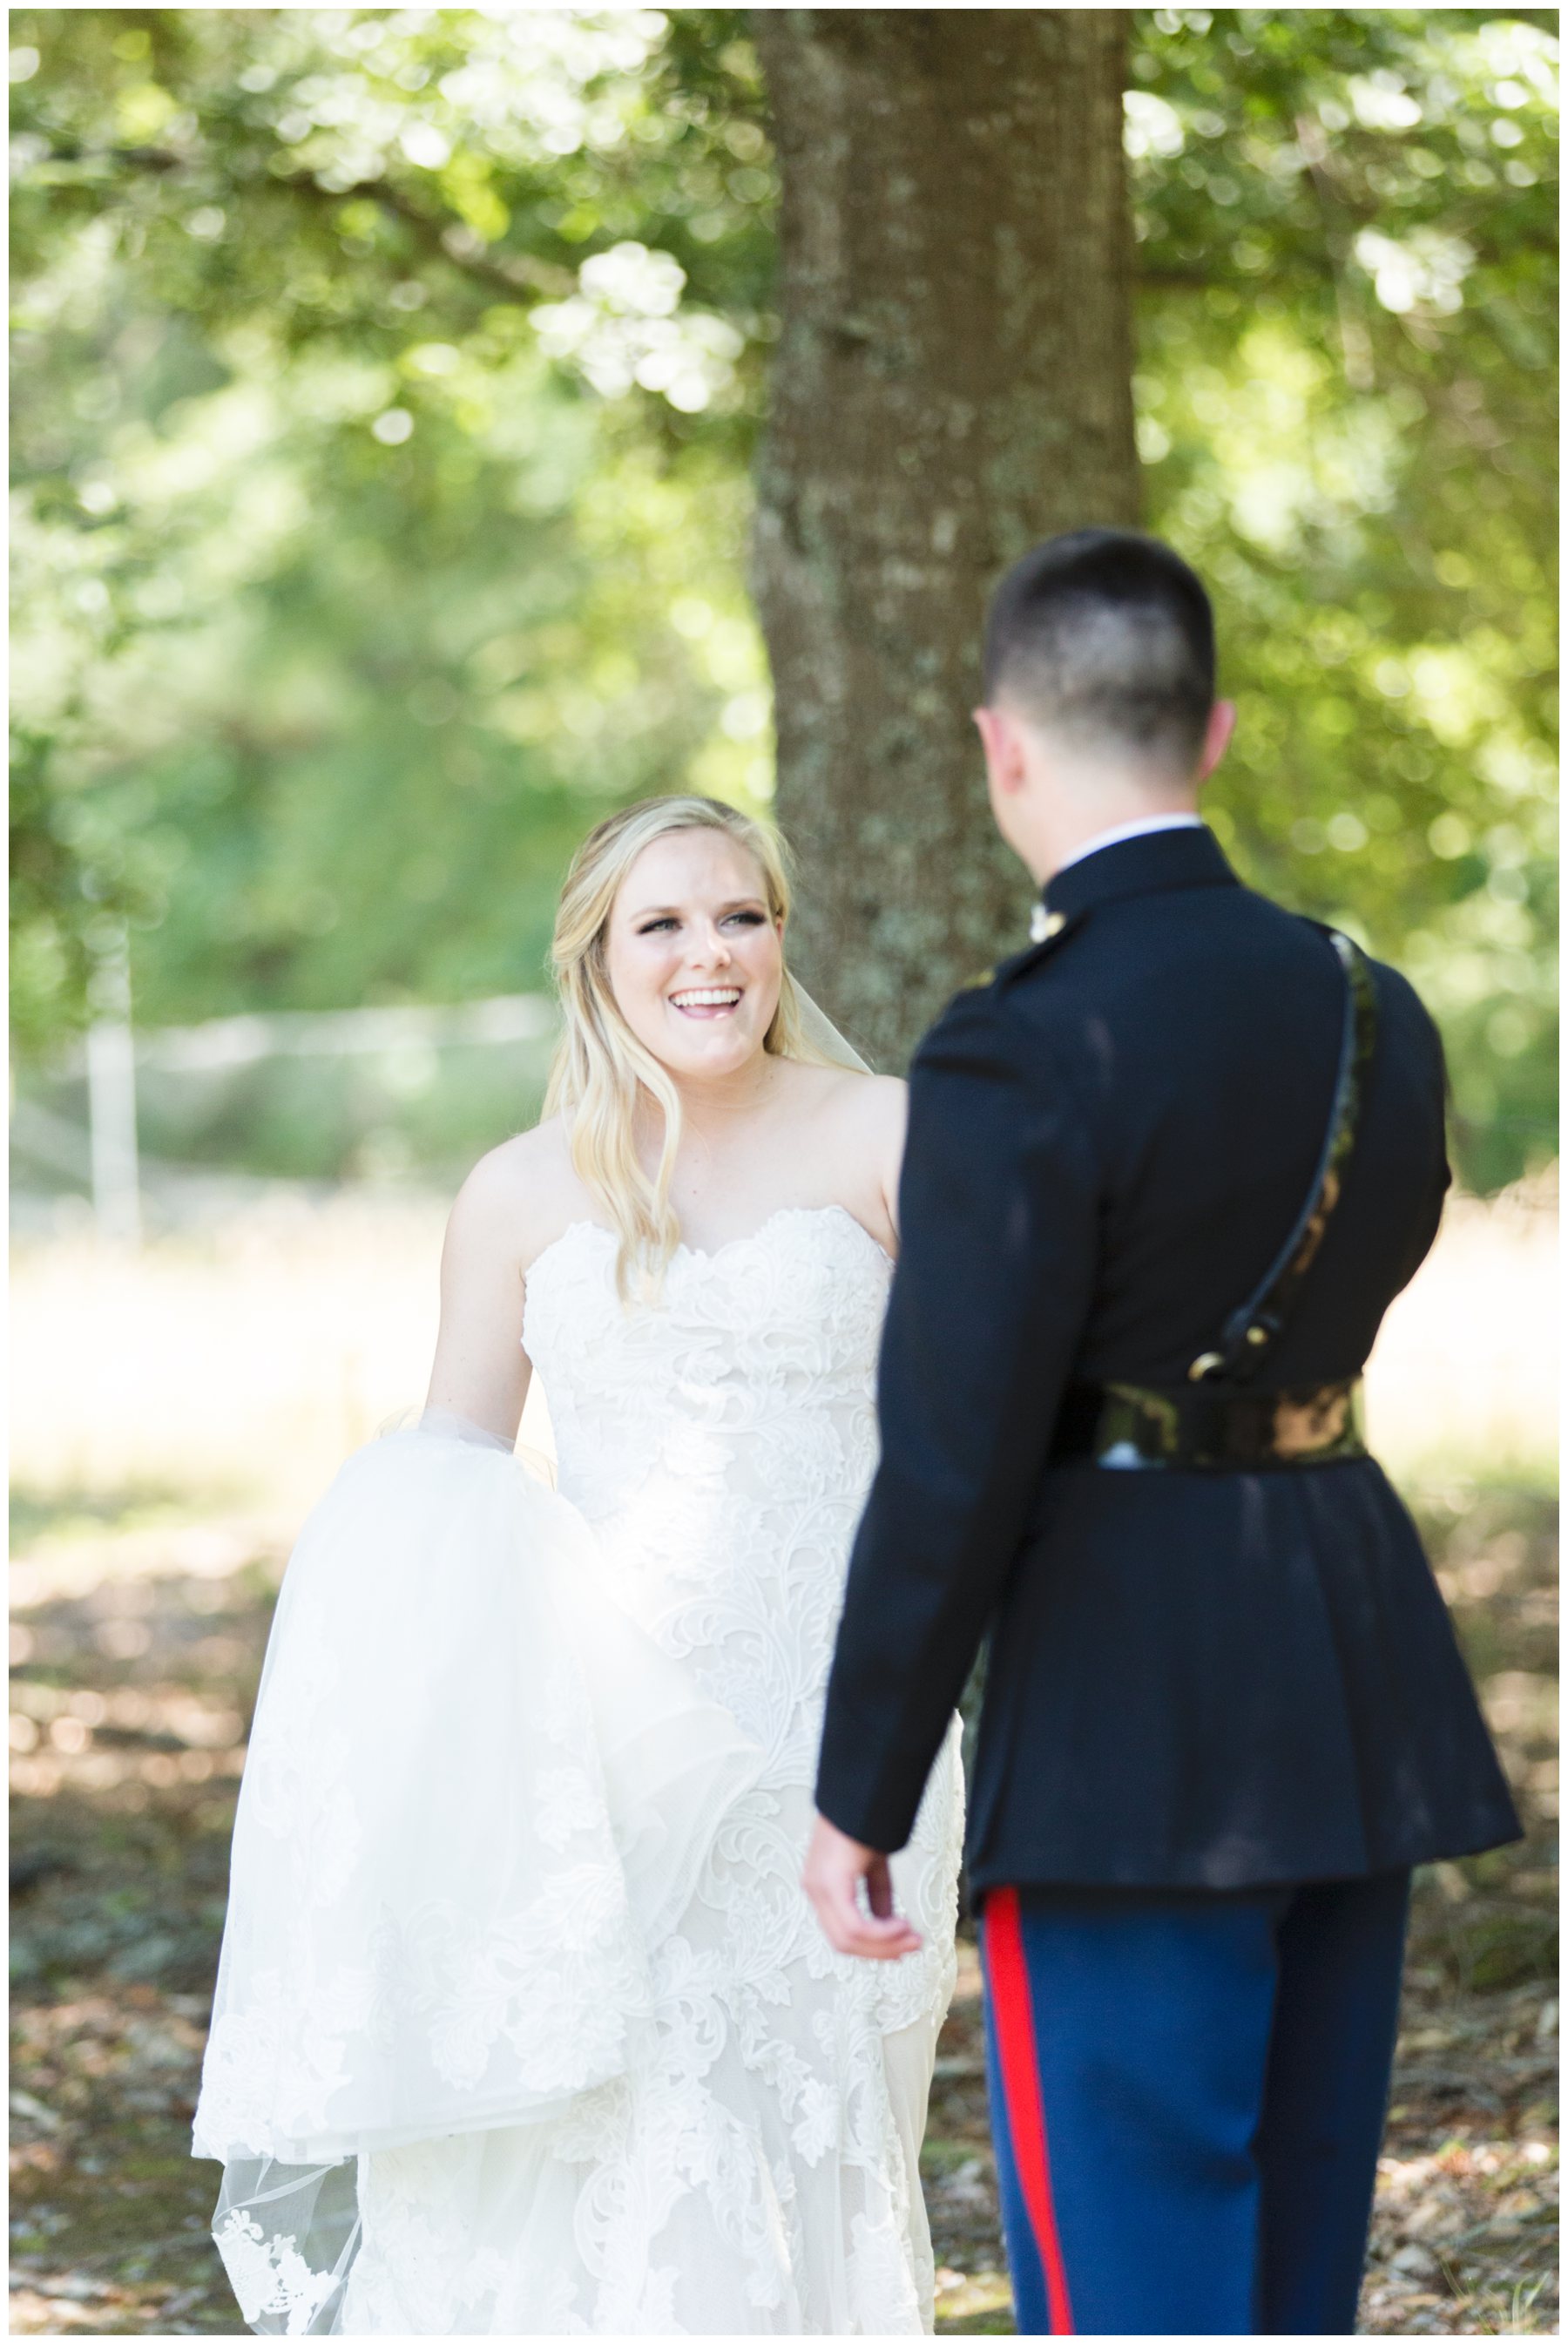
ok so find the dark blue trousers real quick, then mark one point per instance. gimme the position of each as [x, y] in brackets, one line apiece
[1187, 2093]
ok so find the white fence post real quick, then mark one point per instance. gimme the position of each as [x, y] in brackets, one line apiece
[112, 1101]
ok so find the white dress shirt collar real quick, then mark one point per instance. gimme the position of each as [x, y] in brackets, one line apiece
[1143, 828]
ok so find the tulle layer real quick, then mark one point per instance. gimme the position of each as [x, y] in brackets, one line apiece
[475, 1794]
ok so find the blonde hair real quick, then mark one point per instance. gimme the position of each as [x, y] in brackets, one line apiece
[600, 1067]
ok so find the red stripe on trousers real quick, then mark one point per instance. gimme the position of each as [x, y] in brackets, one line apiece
[1012, 2014]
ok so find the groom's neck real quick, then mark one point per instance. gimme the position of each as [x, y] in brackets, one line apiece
[1059, 822]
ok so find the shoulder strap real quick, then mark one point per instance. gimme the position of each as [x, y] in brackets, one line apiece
[1251, 1331]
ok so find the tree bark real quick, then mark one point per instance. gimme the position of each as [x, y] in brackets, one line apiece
[953, 383]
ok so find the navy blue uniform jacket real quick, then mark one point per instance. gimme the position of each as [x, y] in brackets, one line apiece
[1200, 1679]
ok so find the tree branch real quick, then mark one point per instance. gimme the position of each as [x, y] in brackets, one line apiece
[515, 274]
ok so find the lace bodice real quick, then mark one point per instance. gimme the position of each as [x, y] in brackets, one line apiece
[722, 1442]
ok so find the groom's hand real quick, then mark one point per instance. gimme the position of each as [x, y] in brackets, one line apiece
[835, 1867]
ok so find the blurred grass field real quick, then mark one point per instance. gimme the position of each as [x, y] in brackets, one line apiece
[175, 1412]
[233, 1366]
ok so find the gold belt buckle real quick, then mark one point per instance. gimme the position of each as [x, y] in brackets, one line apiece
[1309, 1424]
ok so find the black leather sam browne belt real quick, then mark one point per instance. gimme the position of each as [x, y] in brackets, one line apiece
[1222, 1420]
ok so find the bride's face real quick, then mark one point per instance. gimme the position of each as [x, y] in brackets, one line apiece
[694, 957]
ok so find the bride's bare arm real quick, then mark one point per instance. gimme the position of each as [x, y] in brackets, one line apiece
[873, 1113]
[893, 1123]
[858, 1143]
[481, 1370]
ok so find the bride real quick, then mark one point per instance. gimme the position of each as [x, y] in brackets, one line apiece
[524, 2024]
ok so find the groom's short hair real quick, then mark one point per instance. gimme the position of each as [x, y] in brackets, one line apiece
[1105, 638]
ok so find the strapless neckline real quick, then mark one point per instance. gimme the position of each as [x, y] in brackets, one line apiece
[706, 1256]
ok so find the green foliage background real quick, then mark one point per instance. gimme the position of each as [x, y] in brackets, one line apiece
[387, 384]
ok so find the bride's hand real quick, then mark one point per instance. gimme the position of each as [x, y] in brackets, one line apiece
[835, 1867]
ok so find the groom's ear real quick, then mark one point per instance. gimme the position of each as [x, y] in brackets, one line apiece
[1217, 738]
[1004, 757]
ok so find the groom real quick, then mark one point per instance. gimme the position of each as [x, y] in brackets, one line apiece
[1165, 1172]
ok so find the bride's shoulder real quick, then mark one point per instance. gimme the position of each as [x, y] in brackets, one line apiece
[854, 1124]
[864, 1107]
[848, 1089]
[519, 1194]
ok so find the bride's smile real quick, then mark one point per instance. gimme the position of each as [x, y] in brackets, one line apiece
[716, 1003]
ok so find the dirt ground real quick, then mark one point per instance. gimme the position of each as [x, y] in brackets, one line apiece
[136, 1643]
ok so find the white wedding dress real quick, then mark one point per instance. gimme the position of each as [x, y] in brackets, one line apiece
[524, 2025]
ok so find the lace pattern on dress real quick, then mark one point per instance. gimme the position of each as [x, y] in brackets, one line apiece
[742, 2155]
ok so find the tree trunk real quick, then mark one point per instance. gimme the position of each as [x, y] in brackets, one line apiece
[953, 384]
